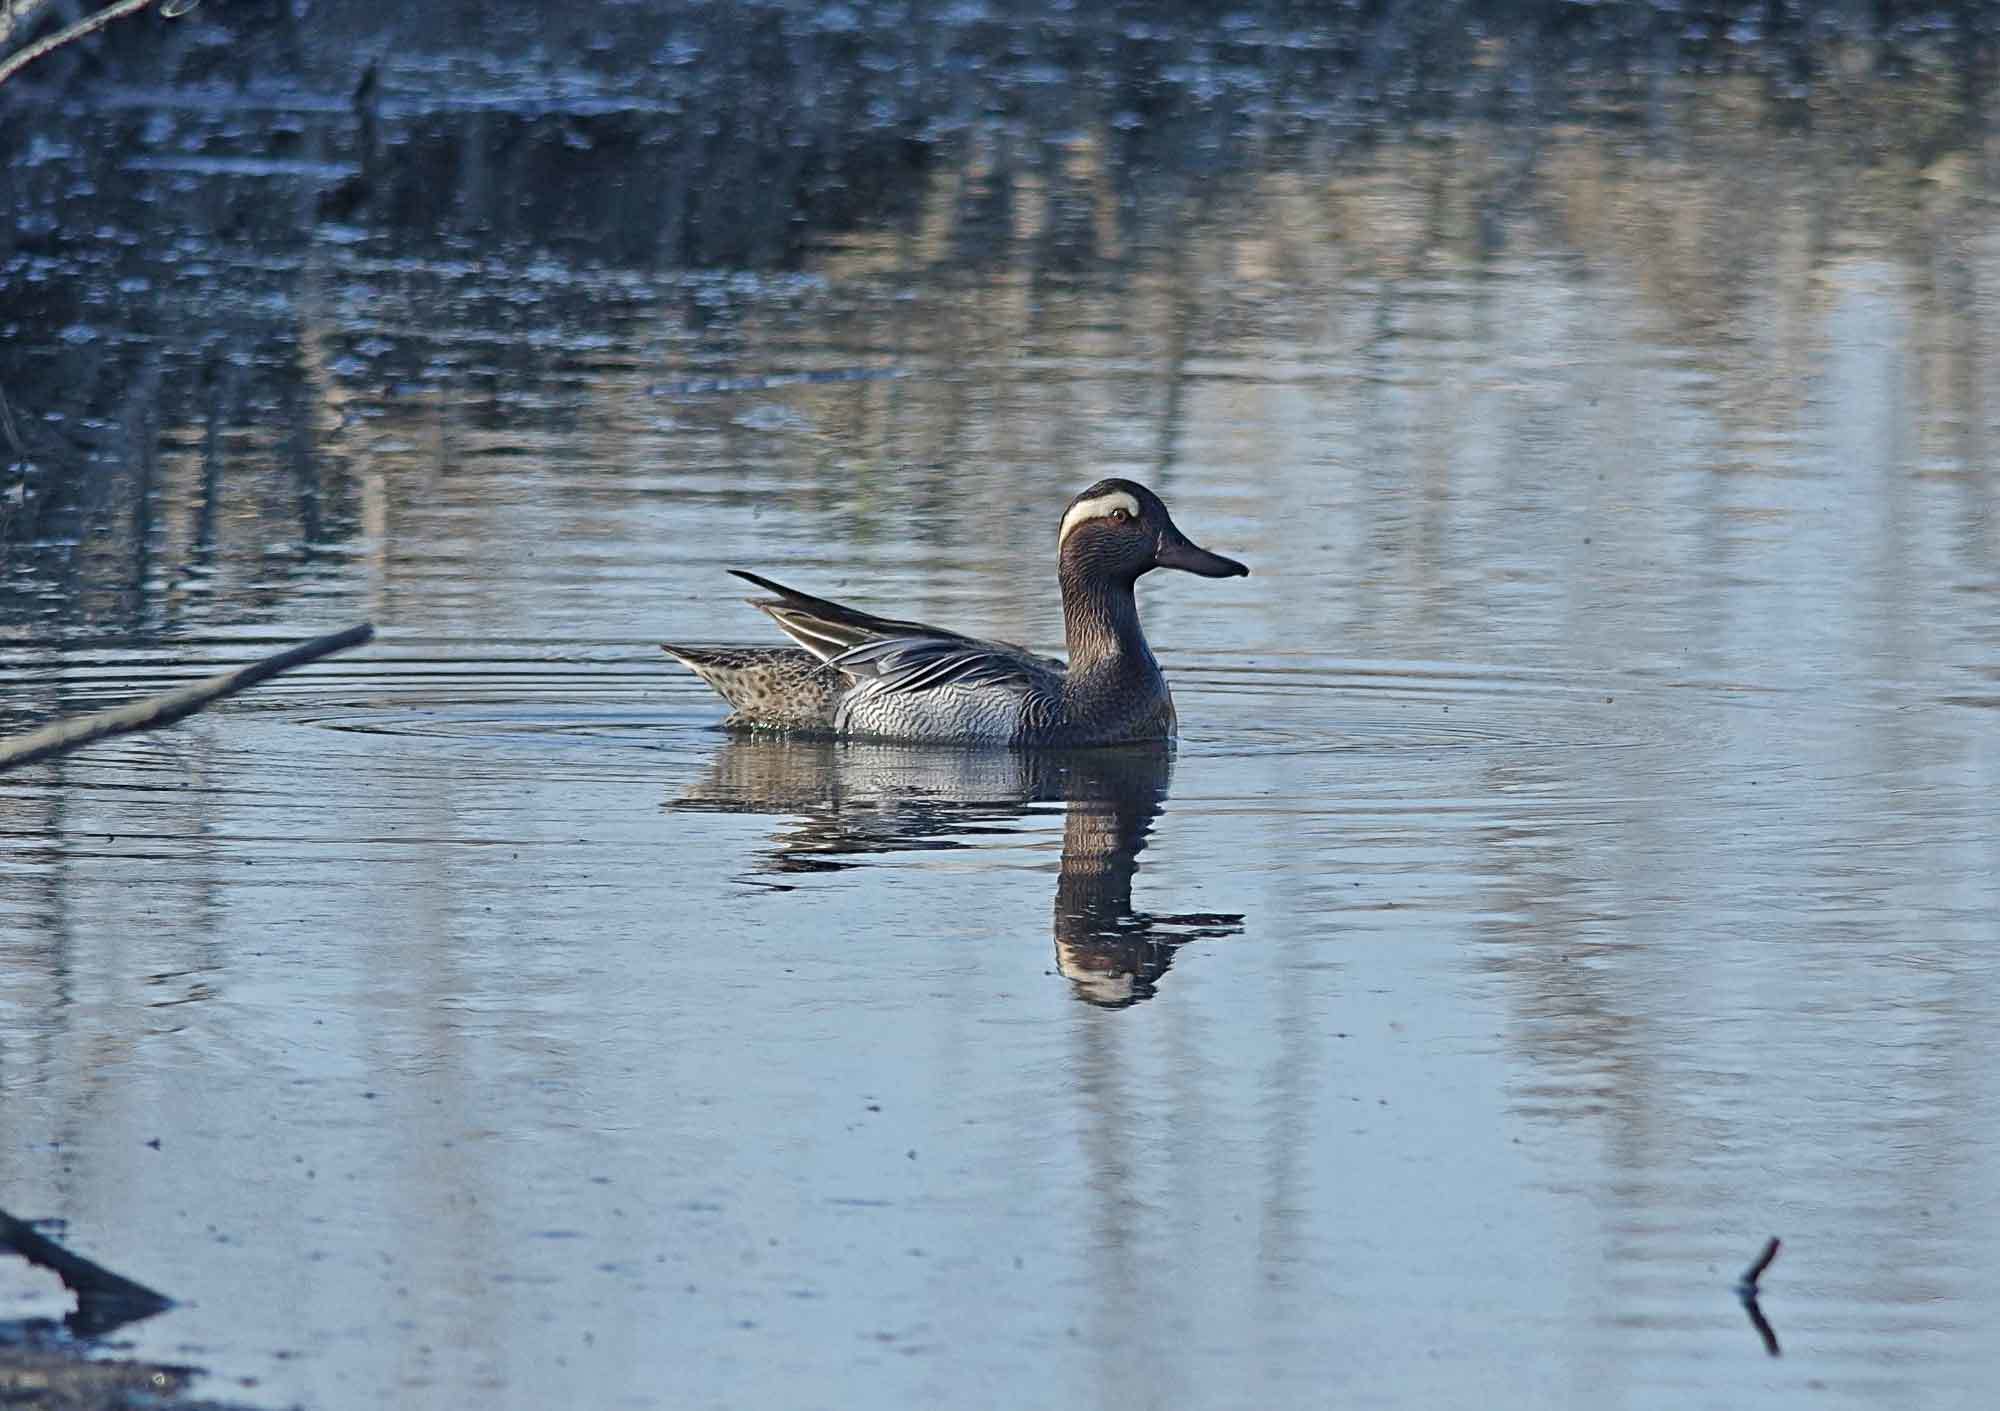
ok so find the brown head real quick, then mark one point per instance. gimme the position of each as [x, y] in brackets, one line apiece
[1118, 529]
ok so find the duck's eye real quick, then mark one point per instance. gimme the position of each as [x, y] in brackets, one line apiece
[1122, 516]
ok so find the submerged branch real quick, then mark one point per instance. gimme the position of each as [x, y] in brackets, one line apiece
[169, 706]
[14, 14]
[89, 24]
[9, 430]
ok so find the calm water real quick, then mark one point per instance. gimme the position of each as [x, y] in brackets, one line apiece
[1579, 862]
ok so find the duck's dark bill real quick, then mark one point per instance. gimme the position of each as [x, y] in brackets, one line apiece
[1179, 553]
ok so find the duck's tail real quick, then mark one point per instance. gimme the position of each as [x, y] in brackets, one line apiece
[771, 688]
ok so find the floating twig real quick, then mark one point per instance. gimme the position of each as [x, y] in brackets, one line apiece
[165, 709]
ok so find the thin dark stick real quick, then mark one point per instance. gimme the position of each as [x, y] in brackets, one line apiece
[165, 709]
[91, 1283]
[1762, 1325]
[1746, 1289]
[1748, 1283]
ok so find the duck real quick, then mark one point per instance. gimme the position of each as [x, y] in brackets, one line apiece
[854, 675]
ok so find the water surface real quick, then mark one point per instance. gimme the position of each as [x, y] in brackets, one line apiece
[1577, 864]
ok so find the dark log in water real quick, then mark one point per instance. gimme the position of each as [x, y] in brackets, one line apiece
[104, 1299]
[166, 708]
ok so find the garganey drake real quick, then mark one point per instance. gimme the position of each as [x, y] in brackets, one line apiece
[865, 677]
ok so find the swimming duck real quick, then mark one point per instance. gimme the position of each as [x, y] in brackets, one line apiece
[866, 677]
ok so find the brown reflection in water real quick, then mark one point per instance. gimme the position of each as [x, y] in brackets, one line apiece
[848, 801]
[1050, 326]
[1115, 956]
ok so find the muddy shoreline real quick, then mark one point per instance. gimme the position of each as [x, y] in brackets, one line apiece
[57, 1378]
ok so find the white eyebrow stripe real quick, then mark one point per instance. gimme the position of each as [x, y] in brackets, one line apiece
[1096, 509]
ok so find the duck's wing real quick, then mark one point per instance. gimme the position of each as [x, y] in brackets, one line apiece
[826, 629]
[923, 663]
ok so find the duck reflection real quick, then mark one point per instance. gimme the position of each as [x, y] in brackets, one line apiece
[846, 800]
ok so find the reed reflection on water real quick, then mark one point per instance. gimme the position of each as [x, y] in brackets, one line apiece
[849, 801]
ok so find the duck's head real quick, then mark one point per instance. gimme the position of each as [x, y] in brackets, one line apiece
[1118, 529]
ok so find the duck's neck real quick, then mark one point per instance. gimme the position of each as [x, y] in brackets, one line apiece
[1101, 627]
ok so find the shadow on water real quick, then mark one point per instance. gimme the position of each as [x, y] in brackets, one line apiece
[845, 802]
